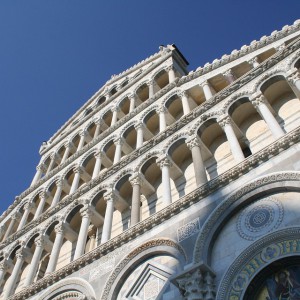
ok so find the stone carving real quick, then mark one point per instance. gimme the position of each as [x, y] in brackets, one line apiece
[260, 218]
[188, 230]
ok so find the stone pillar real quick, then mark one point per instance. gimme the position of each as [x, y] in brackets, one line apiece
[97, 167]
[11, 225]
[150, 84]
[135, 181]
[235, 147]
[40, 208]
[260, 105]
[3, 267]
[83, 134]
[200, 172]
[118, 153]
[171, 73]
[207, 90]
[115, 111]
[57, 195]
[254, 62]
[59, 237]
[26, 210]
[108, 219]
[39, 247]
[185, 102]
[139, 135]
[85, 213]
[68, 146]
[196, 282]
[132, 98]
[161, 111]
[14, 277]
[98, 123]
[38, 175]
[164, 164]
[229, 76]
[78, 171]
[52, 162]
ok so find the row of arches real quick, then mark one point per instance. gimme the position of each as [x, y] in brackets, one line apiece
[153, 121]
[211, 147]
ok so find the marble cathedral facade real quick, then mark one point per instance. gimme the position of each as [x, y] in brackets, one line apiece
[169, 184]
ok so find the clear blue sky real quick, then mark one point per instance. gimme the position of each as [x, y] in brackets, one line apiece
[55, 54]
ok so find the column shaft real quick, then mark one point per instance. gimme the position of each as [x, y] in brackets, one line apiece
[81, 141]
[10, 228]
[84, 227]
[139, 136]
[108, 219]
[132, 103]
[13, 279]
[57, 194]
[97, 167]
[75, 182]
[151, 89]
[207, 90]
[34, 262]
[114, 117]
[37, 175]
[56, 249]
[66, 154]
[164, 164]
[40, 208]
[26, 212]
[171, 74]
[162, 119]
[136, 200]
[118, 153]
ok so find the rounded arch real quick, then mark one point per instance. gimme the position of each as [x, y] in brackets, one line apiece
[140, 85]
[51, 182]
[153, 75]
[203, 119]
[68, 169]
[177, 93]
[266, 77]
[147, 111]
[292, 62]
[236, 97]
[176, 137]
[147, 250]
[36, 193]
[109, 139]
[87, 155]
[127, 126]
[239, 198]
[149, 155]
[119, 101]
[50, 223]
[102, 187]
[123, 173]
[74, 206]
[67, 285]
[235, 281]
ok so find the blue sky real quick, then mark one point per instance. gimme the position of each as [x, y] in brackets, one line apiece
[55, 54]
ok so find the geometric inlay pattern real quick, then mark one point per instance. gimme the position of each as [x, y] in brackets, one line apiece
[259, 218]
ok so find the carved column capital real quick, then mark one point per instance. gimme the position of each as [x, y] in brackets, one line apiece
[138, 125]
[20, 253]
[115, 108]
[196, 282]
[39, 241]
[83, 133]
[28, 205]
[183, 94]
[41, 168]
[59, 228]
[228, 73]
[78, 170]
[136, 179]
[164, 162]
[170, 68]
[193, 141]
[60, 182]
[119, 141]
[293, 77]
[161, 109]
[16, 216]
[86, 212]
[254, 61]
[98, 154]
[204, 83]
[258, 100]
[225, 120]
[110, 196]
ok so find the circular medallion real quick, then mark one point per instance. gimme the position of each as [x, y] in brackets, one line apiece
[260, 218]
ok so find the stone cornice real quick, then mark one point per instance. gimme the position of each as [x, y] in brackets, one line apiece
[196, 113]
[161, 216]
[235, 54]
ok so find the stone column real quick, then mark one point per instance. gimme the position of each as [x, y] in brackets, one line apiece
[108, 219]
[254, 62]
[185, 102]
[161, 111]
[98, 123]
[150, 84]
[260, 105]
[229, 76]
[52, 162]
[132, 98]
[164, 164]
[40, 208]
[118, 153]
[235, 147]
[97, 168]
[78, 171]
[200, 172]
[139, 135]
[39, 172]
[59, 237]
[114, 119]
[135, 181]
[3, 267]
[207, 90]
[171, 73]
[13, 279]
[57, 195]
[68, 146]
[39, 247]
[26, 210]
[82, 139]
[85, 213]
[11, 225]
